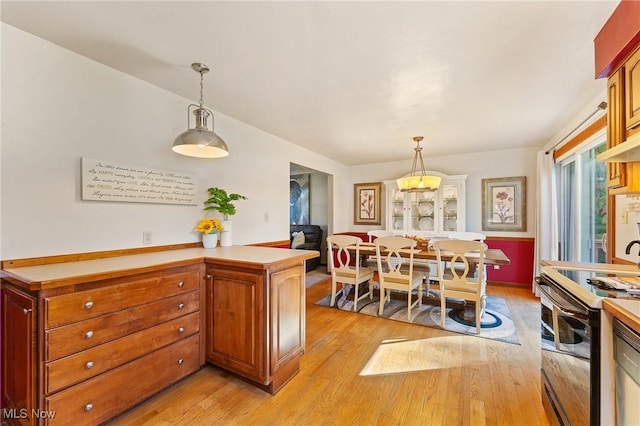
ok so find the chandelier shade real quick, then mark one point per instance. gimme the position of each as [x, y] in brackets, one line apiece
[200, 141]
[418, 180]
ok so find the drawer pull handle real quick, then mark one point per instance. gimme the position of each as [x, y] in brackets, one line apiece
[88, 407]
[88, 365]
[180, 361]
[88, 335]
[88, 305]
[181, 306]
[181, 284]
[181, 330]
[26, 311]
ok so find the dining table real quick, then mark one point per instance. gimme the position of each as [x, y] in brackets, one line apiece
[492, 257]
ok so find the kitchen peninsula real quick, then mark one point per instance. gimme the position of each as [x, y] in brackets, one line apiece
[88, 339]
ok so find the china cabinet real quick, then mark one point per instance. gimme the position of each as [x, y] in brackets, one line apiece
[427, 213]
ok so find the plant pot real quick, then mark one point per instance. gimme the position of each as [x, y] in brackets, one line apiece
[209, 240]
[225, 236]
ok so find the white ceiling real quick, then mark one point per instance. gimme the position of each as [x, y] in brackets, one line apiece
[353, 81]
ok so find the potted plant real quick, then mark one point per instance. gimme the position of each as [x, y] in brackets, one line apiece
[221, 201]
[209, 227]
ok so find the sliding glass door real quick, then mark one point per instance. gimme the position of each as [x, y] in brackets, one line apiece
[583, 205]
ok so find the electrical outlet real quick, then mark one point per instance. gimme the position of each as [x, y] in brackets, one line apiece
[146, 237]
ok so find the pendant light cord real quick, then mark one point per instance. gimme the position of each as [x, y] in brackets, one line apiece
[201, 89]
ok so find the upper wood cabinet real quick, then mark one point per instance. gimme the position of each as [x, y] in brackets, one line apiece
[615, 127]
[623, 125]
[632, 92]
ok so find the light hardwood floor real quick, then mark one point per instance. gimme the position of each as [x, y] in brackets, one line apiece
[454, 379]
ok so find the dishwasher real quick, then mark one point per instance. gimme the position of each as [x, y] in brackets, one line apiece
[626, 352]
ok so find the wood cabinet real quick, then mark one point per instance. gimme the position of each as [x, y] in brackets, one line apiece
[616, 172]
[623, 122]
[98, 348]
[632, 92]
[256, 322]
[427, 213]
[84, 341]
[19, 341]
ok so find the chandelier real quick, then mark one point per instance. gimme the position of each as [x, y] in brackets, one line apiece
[200, 141]
[418, 180]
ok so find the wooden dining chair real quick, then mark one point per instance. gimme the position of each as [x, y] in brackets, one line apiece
[372, 261]
[461, 284]
[392, 275]
[344, 271]
[467, 236]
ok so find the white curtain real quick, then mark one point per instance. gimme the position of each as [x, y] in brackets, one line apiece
[546, 247]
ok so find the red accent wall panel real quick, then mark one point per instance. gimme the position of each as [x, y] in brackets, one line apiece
[619, 35]
[520, 252]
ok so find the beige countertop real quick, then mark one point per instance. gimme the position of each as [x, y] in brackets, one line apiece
[68, 273]
[626, 310]
[612, 268]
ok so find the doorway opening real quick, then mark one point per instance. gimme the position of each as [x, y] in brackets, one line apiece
[310, 194]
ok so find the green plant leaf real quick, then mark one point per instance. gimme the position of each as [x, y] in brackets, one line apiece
[219, 200]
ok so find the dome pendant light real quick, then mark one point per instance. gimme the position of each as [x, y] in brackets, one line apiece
[418, 182]
[200, 141]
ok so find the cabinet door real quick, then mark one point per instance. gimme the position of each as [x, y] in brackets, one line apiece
[450, 217]
[632, 92]
[236, 322]
[19, 341]
[424, 211]
[287, 319]
[615, 127]
[395, 208]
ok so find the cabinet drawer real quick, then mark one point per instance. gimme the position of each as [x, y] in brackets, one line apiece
[86, 364]
[76, 337]
[98, 399]
[68, 308]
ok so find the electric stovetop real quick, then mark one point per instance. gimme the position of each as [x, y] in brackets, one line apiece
[592, 286]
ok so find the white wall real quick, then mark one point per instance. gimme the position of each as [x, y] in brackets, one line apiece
[58, 106]
[478, 165]
[626, 232]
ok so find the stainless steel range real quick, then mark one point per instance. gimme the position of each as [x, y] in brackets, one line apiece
[571, 301]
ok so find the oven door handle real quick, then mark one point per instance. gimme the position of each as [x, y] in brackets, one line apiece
[573, 314]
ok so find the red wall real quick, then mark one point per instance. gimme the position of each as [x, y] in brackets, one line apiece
[520, 252]
[619, 35]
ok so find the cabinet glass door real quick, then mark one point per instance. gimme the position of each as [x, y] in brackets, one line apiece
[449, 207]
[396, 209]
[423, 211]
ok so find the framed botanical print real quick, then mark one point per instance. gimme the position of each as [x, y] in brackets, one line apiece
[366, 203]
[504, 204]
